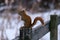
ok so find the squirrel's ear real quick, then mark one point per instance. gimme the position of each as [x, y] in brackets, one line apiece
[23, 11]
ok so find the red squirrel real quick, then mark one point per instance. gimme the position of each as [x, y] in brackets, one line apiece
[27, 20]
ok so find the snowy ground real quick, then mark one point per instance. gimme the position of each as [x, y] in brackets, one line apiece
[10, 31]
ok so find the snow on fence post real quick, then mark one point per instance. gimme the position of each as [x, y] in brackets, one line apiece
[53, 27]
[25, 34]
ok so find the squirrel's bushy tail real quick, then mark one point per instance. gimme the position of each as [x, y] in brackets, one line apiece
[36, 19]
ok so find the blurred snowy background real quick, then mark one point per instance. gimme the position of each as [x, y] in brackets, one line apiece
[10, 22]
[9, 27]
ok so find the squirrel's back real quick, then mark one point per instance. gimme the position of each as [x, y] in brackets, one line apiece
[27, 19]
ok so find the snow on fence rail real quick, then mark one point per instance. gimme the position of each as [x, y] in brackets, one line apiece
[36, 34]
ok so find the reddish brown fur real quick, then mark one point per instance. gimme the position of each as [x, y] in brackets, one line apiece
[27, 19]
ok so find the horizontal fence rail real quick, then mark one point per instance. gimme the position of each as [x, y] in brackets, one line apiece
[41, 31]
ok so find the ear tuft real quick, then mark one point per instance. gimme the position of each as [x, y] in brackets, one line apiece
[23, 11]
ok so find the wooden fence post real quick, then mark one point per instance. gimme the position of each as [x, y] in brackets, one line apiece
[53, 27]
[25, 34]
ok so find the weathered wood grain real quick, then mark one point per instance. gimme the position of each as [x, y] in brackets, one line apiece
[53, 26]
[41, 31]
